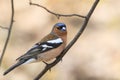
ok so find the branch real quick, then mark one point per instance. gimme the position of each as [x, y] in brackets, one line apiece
[49, 66]
[9, 32]
[56, 14]
[4, 27]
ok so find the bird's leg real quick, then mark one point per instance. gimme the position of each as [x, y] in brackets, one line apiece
[46, 64]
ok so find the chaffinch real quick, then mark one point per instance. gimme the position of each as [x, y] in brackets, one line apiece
[47, 49]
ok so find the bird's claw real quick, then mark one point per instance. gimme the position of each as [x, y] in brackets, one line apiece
[46, 64]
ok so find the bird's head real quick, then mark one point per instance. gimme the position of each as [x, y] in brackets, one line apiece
[59, 29]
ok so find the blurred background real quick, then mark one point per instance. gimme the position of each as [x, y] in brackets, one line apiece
[95, 56]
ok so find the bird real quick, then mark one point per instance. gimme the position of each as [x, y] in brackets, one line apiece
[46, 49]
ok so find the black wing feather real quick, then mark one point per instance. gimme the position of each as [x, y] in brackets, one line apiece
[38, 49]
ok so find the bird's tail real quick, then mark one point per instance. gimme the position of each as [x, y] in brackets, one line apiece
[14, 66]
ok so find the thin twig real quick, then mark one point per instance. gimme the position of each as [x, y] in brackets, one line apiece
[9, 32]
[48, 67]
[56, 14]
[4, 27]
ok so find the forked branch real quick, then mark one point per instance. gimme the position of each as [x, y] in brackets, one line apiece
[9, 32]
[56, 14]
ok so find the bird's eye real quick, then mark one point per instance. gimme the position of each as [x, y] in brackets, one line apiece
[60, 28]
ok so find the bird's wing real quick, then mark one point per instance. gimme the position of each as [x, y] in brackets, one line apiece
[39, 48]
